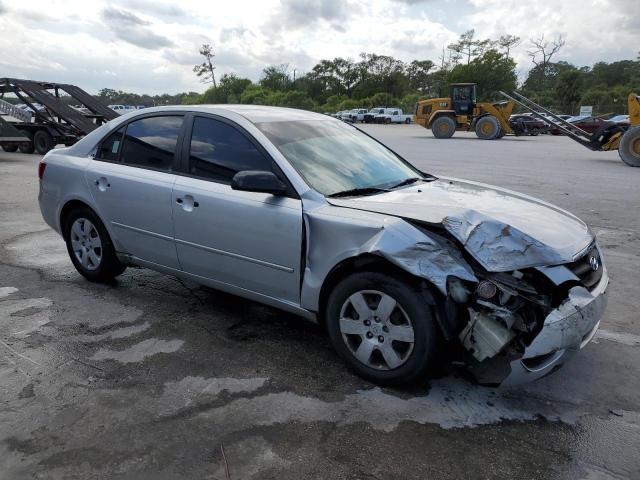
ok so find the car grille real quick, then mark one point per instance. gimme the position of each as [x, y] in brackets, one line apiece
[583, 268]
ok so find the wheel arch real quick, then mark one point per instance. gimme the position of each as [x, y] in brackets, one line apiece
[74, 203]
[368, 262]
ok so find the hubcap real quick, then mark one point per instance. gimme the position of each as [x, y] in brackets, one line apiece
[487, 128]
[635, 146]
[86, 243]
[376, 329]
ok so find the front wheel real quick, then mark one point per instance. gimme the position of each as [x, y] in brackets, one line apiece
[488, 128]
[629, 148]
[383, 328]
[90, 246]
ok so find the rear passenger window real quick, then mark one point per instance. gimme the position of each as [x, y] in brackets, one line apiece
[151, 142]
[110, 147]
[218, 151]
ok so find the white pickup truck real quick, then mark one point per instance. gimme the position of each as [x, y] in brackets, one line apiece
[357, 114]
[392, 115]
[369, 117]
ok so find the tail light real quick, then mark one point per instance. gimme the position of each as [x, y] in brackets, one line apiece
[41, 168]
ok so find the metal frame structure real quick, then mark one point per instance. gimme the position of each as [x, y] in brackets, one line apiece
[61, 123]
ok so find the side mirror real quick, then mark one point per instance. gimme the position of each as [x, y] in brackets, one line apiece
[258, 181]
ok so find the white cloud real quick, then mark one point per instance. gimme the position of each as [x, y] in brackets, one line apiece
[151, 45]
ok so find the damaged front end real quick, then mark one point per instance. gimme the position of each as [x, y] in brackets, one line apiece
[520, 326]
[515, 300]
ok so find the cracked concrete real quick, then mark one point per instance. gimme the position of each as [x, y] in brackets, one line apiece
[149, 377]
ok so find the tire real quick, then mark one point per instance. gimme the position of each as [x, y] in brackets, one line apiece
[10, 148]
[27, 147]
[387, 121]
[96, 260]
[396, 362]
[629, 148]
[488, 128]
[443, 127]
[43, 142]
[407, 121]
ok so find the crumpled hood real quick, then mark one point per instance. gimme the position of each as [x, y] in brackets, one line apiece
[501, 229]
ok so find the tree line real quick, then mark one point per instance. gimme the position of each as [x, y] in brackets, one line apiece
[373, 80]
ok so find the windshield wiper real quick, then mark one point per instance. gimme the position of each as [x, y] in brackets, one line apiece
[406, 181]
[354, 192]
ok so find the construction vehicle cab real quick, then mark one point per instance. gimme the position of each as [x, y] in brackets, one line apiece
[461, 111]
[463, 98]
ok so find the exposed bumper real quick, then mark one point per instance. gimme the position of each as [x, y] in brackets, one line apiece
[566, 330]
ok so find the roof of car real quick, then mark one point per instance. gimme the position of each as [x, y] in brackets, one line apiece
[253, 113]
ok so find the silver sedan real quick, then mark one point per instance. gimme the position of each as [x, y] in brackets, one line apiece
[308, 214]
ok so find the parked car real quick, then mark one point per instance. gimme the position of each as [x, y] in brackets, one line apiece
[369, 117]
[622, 120]
[122, 109]
[392, 115]
[585, 122]
[310, 215]
[528, 124]
[346, 115]
[357, 114]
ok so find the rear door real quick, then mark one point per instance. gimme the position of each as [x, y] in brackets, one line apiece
[249, 240]
[131, 178]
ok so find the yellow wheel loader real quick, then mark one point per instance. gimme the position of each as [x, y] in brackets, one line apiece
[608, 137]
[460, 111]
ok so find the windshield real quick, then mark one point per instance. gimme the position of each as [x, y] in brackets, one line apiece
[335, 157]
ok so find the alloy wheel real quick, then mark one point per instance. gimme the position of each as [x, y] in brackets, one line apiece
[86, 243]
[376, 329]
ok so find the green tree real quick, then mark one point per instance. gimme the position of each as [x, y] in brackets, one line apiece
[418, 73]
[275, 77]
[205, 70]
[568, 89]
[492, 71]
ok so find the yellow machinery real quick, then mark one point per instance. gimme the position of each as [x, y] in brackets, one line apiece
[460, 111]
[608, 137]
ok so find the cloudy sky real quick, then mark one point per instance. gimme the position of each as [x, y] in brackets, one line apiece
[150, 46]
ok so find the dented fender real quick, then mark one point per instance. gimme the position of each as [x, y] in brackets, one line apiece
[338, 234]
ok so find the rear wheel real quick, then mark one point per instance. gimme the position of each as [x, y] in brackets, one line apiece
[488, 128]
[43, 142]
[90, 246]
[407, 121]
[382, 327]
[629, 148]
[387, 121]
[443, 127]
[27, 147]
[9, 148]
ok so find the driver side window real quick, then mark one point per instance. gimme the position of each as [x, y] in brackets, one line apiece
[218, 151]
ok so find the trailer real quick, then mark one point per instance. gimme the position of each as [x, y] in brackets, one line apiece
[608, 137]
[46, 120]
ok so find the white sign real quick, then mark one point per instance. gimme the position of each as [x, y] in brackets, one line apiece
[586, 110]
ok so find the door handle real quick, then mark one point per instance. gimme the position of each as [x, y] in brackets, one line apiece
[102, 183]
[187, 203]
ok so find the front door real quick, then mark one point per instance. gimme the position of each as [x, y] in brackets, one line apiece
[246, 239]
[131, 179]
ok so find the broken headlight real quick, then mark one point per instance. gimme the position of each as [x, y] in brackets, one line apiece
[501, 309]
